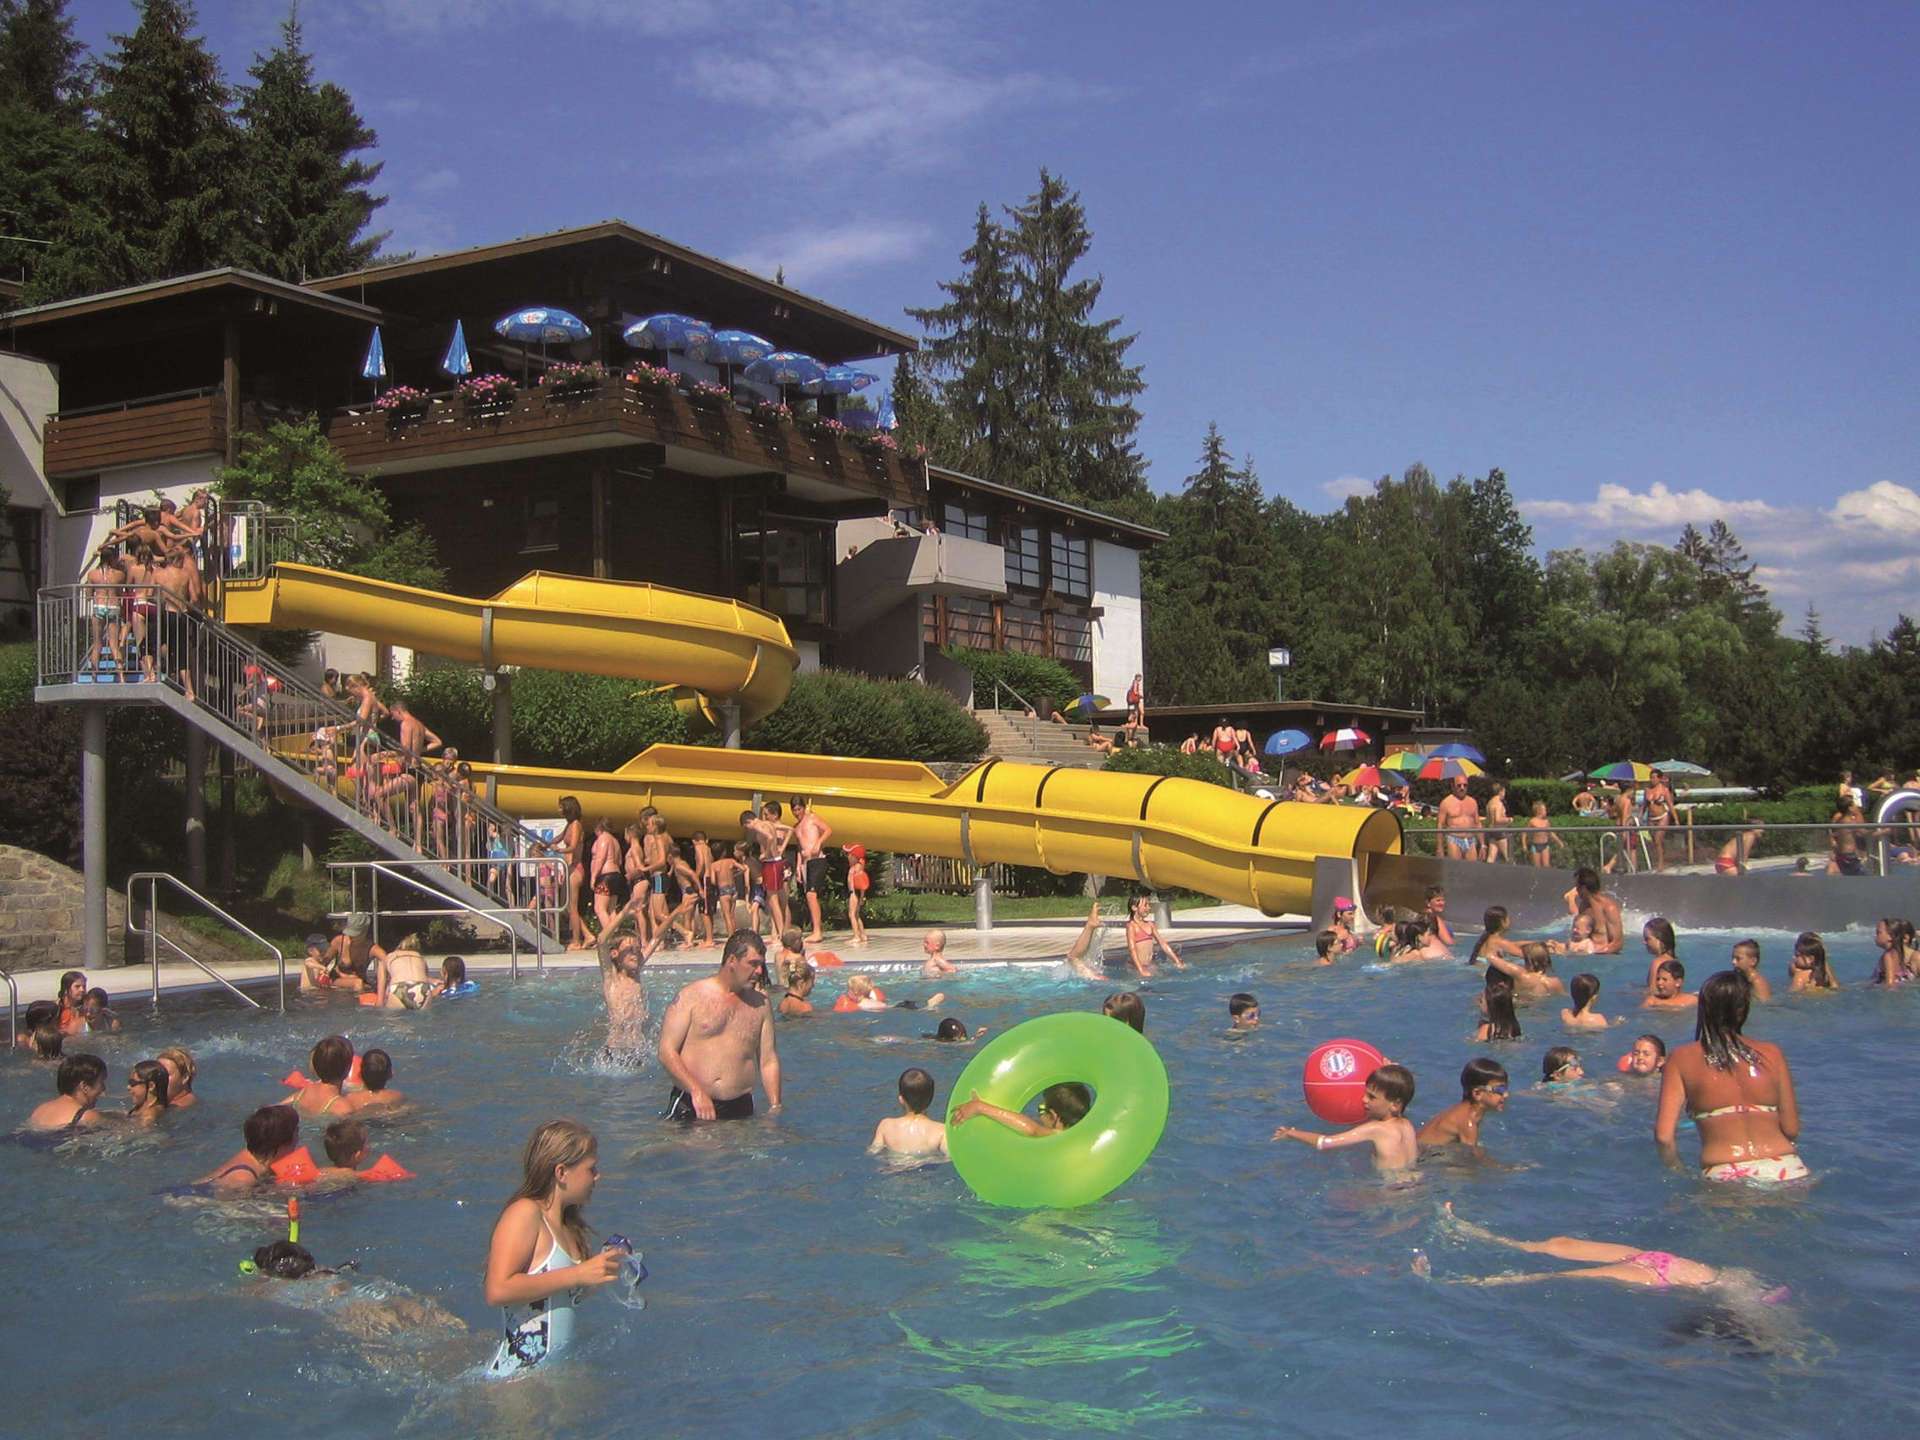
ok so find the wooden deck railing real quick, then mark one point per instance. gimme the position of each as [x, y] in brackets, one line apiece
[168, 427]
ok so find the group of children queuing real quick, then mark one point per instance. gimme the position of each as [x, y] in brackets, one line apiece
[678, 892]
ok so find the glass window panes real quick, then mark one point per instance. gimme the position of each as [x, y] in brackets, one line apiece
[1023, 557]
[967, 524]
[1072, 572]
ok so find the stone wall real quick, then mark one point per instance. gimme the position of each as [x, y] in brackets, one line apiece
[42, 915]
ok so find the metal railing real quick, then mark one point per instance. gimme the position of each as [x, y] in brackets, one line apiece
[543, 879]
[253, 541]
[153, 879]
[132, 634]
[1670, 845]
[1000, 686]
[942, 873]
[13, 1009]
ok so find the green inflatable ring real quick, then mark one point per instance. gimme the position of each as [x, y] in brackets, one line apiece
[1074, 1166]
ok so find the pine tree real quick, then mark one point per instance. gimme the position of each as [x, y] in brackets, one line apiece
[306, 195]
[1076, 390]
[43, 92]
[971, 356]
[161, 190]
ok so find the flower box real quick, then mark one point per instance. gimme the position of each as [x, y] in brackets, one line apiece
[568, 381]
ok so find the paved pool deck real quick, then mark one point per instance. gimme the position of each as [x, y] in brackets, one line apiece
[890, 952]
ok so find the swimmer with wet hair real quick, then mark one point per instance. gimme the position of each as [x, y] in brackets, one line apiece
[1622, 1264]
[1326, 947]
[1128, 1008]
[1584, 990]
[933, 945]
[1389, 1090]
[1243, 1011]
[376, 1073]
[47, 1041]
[799, 987]
[1061, 1107]
[1561, 1066]
[270, 1133]
[347, 1145]
[1483, 1091]
[332, 1061]
[914, 1132]
[78, 1084]
[1669, 988]
[1646, 1056]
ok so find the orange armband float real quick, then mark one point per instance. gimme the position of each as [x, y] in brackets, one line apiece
[385, 1168]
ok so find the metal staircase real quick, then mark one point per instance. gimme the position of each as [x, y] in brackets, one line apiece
[302, 741]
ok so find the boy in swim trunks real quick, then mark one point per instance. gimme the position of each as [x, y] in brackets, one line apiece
[772, 838]
[1483, 1089]
[376, 1073]
[811, 833]
[1437, 913]
[1326, 946]
[1395, 1147]
[915, 1132]
[1732, 857]
[1243, 1011]
[1669, 992]
[933, 945]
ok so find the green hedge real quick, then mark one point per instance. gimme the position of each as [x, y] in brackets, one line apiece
[1033, 677]
[833, 712]
[1169, 760]
[19, 669]
[576, 721]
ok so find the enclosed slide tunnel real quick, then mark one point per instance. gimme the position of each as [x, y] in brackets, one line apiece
[1159, 831]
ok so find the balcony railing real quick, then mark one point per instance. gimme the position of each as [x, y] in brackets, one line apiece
[136, 432]
[447, 428]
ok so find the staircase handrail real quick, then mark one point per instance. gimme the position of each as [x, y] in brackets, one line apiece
[13, 1009]
[998, 686]
[155, 939]
[254, 694]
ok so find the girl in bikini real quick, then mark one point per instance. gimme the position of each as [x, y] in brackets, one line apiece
[1739, 1092]
[331, 1060]
[1810, 970]
[1657, 935]
[1143, 935]
[540, 1262]
[1895, 939]
[1493, 938]
[270, 1133]
[147, 1087]
[1622, 1264]
[180, 1073]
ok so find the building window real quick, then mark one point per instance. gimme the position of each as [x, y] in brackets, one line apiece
[543, 525]
[83, 494]
[1072, 637]
[970, 622]
[1072, 572]
[967, 524]
[1025, 629]
[783, 568]
[1023, 557]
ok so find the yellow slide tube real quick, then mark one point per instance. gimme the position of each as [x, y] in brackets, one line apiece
[719, 649]
[1156, 830]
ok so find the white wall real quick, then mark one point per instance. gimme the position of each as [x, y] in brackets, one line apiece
[28, 394]
[1118, 639]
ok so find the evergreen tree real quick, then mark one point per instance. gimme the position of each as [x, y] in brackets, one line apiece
[971, 356]
[161, 188]
[307, 197]
[43, 91]
[1076, 390]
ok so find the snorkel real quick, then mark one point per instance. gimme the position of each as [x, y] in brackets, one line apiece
[248, 1267]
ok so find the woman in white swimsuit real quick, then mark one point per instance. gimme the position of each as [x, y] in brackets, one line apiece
[535, 1270]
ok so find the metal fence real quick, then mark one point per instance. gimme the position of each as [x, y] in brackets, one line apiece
[939, 873]
[134, 634]
[1879, 849]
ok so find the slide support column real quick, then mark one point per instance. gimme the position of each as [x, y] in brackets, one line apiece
[93, 831]
[982, 901]
[197, 808]
[730, 724]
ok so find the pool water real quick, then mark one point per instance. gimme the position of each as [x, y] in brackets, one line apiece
[800, 1287]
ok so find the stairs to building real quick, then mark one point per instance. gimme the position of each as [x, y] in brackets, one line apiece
[1012, 735]
[303, 743]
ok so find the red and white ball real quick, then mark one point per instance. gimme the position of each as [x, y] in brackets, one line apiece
[1335, 1080]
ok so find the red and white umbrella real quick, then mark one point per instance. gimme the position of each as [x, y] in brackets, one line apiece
[1345, 740]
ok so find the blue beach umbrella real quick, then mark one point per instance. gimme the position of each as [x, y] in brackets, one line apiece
[1394, 780]
[457, 362]
[542, 325]
[784, 368]
[670, 332]
[1288, 742]
[737, 347]
[374, 367]
[1457, 751]
[837, 380]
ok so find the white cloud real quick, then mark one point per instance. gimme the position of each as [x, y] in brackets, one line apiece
[1658, 508]
[644, 17]
[810, 256]
[1346, 487]
[1855, 560]
[437, 182]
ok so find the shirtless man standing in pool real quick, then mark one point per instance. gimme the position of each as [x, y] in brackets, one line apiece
[718, 1031]
[812, 833]
[1585, 898]
[622, 956]
[1460, 823]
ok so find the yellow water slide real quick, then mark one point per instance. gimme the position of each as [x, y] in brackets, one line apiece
[1157, 830]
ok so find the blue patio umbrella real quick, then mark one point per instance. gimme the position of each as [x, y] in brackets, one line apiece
[784, 368]
[1394, 780]
[670, 332]
[374, 367]
[457, 362]
[737, 347]
[1288, 742]
[542, 325]
[1457, 751]
[837, 380]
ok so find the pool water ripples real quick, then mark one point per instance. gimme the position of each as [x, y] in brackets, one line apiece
[802, 1287]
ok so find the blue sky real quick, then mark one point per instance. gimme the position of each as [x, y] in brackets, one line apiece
[1655, 261]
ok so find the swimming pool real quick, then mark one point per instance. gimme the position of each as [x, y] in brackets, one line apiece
[800, 1287]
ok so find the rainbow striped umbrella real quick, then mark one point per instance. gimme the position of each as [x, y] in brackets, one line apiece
[1448, 767]
[1630, 770]
[1405, 760]
[1363, 775]
[1348, 739]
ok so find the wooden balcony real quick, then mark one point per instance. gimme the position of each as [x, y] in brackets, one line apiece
[705, 436]
[167, 427]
